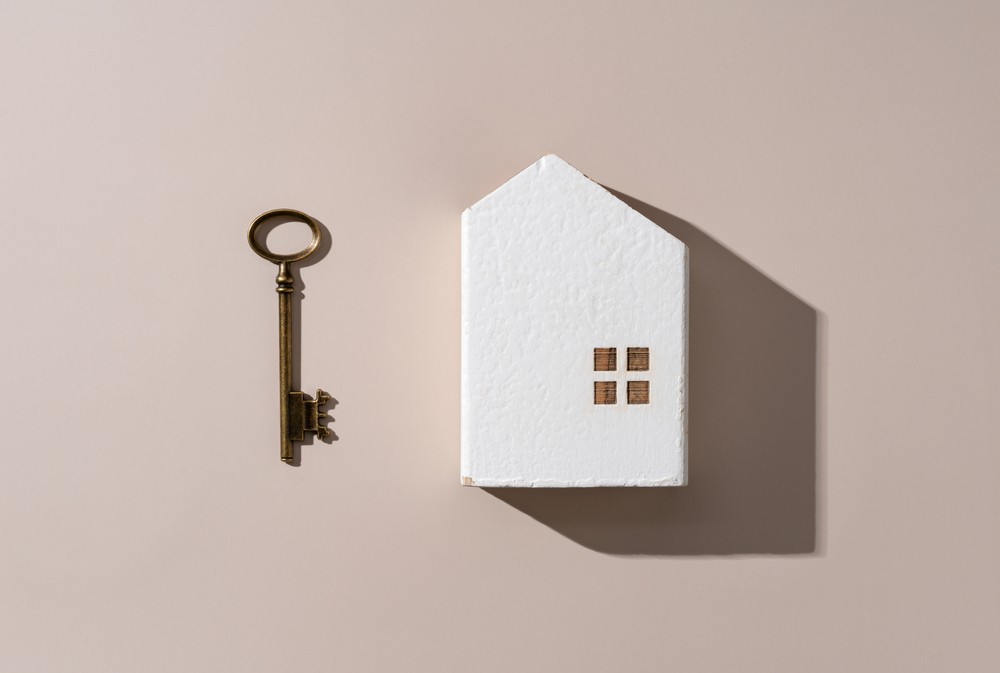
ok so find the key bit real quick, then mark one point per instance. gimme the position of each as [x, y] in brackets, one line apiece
[304, 415]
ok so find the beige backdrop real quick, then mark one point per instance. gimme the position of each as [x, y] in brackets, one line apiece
[833, 167]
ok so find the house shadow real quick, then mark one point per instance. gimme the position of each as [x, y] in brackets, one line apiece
[752, 427]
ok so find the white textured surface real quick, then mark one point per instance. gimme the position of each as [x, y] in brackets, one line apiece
[554, 266]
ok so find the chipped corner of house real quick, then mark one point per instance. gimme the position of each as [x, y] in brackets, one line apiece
[467, 481]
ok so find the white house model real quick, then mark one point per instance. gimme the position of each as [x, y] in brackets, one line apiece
[574, 338]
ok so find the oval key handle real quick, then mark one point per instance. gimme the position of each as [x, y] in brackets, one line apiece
[296, 215]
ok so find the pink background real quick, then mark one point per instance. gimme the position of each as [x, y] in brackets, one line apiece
[833, 167]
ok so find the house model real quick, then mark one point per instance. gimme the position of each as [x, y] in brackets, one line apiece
[574, 338]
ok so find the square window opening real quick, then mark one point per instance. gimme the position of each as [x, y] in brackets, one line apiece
[605, 392]
[638, 359]
[605, 359]
[638, 392]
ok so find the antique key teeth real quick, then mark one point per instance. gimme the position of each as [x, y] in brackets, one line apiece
[321, 399]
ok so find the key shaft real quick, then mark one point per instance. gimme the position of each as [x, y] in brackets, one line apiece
[285, 288]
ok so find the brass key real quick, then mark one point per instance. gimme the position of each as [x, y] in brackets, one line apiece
[298, 415]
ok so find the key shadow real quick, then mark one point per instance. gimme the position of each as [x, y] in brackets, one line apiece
[752, 428]
[298, 295]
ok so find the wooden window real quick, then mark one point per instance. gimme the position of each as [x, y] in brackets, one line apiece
[605, 359]
[638, 359]
[605, 392]
[638, 392]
